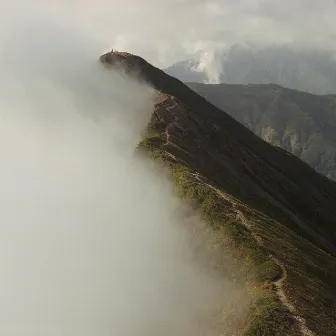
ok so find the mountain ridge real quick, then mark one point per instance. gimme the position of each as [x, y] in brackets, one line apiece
[290, 207]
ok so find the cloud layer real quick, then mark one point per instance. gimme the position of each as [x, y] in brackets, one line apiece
[90, 238]
[168, 31]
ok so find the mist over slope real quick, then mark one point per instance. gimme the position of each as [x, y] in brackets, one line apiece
[90, 242]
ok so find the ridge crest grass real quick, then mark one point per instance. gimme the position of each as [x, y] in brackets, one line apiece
[239, 256]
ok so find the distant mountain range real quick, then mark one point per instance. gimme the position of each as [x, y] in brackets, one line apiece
[311, 71]
[301, 123]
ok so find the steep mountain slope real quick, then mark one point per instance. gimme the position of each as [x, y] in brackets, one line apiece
[272, 213]
[304, 70]
[301, 123]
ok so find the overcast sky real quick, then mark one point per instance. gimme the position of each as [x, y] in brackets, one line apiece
[166, 31]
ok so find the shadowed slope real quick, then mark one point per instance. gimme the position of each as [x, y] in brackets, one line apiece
[301, 123]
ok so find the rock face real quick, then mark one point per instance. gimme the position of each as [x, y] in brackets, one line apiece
[301, 123]
[227, 153]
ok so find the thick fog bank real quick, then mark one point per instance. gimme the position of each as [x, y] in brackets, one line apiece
[90, 241]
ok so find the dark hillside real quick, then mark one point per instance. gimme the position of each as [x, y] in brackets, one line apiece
[303, 124]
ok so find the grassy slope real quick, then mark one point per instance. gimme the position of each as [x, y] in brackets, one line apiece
[309, 270]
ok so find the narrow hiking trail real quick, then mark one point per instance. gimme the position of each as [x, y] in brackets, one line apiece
[278, 283]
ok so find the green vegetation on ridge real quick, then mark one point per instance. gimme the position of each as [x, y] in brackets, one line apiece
[251, 264]
[244, 260]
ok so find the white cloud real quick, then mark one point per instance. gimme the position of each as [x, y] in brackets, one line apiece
[90, 238]
[160, 30]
